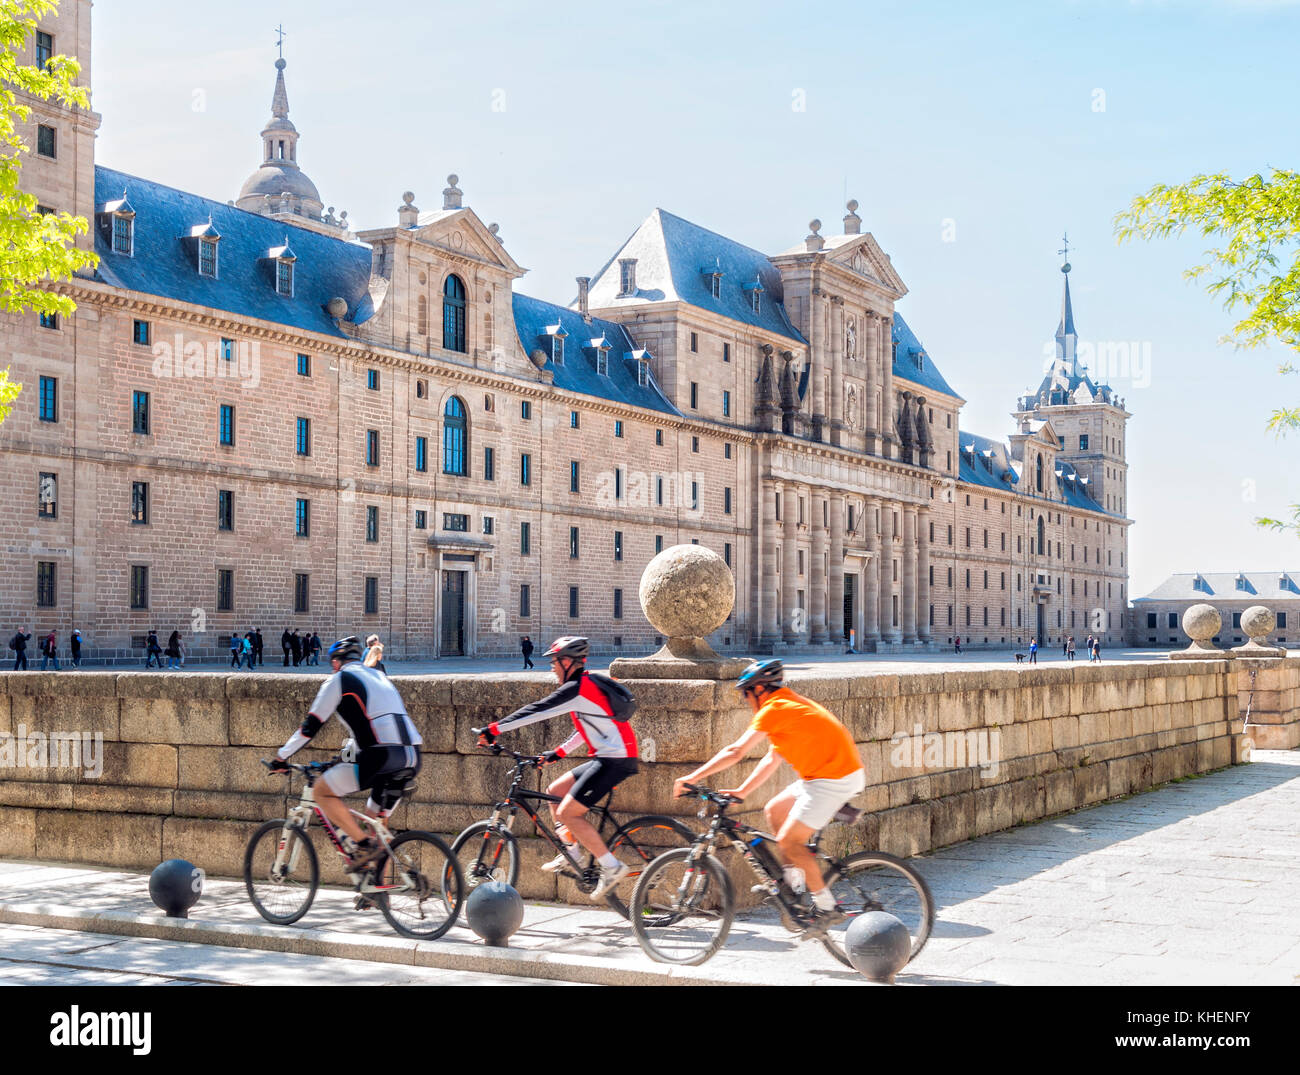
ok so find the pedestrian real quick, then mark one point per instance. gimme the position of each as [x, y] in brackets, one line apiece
[1065, 647]
[957, 642]
[152, 649]
[284, 645]
[74, 643]
[1033, 651]
[50, 651]
[374, 655]
[1096, 649]
[257, 644]
[295, 647]
[236, 645]
[1069, 648]
[180, 646]
[19, 645]
[315, 648]
[173, 651]
[246, 650]
[526, 646]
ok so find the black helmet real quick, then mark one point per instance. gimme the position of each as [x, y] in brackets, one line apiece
[346, 649]
[570, 647]
[769, 673]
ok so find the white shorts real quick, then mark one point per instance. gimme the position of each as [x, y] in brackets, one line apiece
[817, 801]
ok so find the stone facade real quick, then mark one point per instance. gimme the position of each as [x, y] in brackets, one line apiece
[788, 419]
[1157, 617]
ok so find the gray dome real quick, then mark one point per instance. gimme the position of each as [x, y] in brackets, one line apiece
[275, 179]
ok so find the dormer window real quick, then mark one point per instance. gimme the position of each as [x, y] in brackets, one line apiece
[1241, 582]
[207, 238]
[755, 292]
[713, 278]
[119, 220]
[556, 336]
[642, 359]
[626, 277]
[600, 348]
[284, 259]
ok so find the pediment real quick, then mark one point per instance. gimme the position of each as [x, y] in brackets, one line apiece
[864, 257]
[1048, 436]
[461, 232]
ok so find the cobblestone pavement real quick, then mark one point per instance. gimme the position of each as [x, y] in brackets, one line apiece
[1192, 883]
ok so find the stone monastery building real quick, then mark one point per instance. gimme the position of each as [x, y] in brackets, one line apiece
[258, 417]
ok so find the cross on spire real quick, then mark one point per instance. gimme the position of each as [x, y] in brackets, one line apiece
[1065, 251]
[280, 41]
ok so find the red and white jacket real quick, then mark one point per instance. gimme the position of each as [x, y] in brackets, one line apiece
[586, 701]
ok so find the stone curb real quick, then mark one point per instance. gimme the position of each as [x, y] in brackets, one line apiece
[440, 955]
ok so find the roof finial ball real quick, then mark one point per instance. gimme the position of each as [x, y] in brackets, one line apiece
[451, 196]
[814, 241]
[408, 214]
[852, 222]
[280, 64]
[408, 197]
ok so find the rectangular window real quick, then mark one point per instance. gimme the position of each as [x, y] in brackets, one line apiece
[695, 444]
[726, 553]
[49, 401]
[139, 586]
[488, 525]
[525, 409]
[228, 349]
[372, 595]
[455, 521]
[140, 503]
[421, 453]
[225, 509]
[421, 520]
[302, 519]
[659, 543]
[618, 483]
[304, 365]
[284, 277]
[695, 496]
[695, 395]
[726, 451]
[47, 496]
[301, 593]
[140, 333]
[372, 380]
[726, 404]
[46, 590]
[602, 363]
[44, 48]
[618, 544]
[1173, 620]
[618, 603]
[1281, 620]
[372, 523]
[726, 501]
[573, 420]
[525, 469]
[659, 437]
[304, 436]
[489, 464]
[573, 476]
[225, 590]
[573, 602]
[226, 426]
[207, 258]
[49, 321]
[618, 428]
[726, 352]
[47, 146]
[1083, 442]
[525, 601]
[140, 412]
[372, 447]
[573, 543]
[525, 539]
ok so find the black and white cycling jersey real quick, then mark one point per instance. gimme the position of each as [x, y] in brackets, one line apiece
[367, 702]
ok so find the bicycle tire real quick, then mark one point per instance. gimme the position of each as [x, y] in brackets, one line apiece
[655, 829]
[424, 857]
[267, 839]
[481, 859]
[876, 881]
[667, 930]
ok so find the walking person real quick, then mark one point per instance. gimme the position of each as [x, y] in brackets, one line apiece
[19, 645]
[284, 645]
[50, 651]
[374, 654]
[1069, 648]
[957, 643]
[1096, 649]
[74, 644]
[152, 649]
[246, 650]
[173, 651]
[180, 648]
[315, 648]
[295, 647]
[1033, 651]
[526, 647]
[257, 645]
[236, 646]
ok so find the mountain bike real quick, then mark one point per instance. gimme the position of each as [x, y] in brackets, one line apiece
[416, 883]
[489, 850]
[683, 904]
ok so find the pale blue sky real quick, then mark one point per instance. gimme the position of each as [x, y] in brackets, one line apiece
[568, 124]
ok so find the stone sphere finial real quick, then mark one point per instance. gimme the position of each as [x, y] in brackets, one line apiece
[1257, 623]
[408, 197]
[814, 226]
[687, 591]
[852, 205]
[337, 307]
[452, 180]
[1201, 623]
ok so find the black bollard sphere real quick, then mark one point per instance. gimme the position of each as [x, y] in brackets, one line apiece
[176, 886]
[494, 911]
[878, 945]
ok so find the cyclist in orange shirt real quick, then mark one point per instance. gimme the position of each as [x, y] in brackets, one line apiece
[817, 746]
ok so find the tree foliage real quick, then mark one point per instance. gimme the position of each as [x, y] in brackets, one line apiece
[1254, 265]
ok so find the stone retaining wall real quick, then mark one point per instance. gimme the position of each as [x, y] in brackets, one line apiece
[181, 776]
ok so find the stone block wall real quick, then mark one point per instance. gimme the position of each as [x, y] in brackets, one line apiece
[949, 755]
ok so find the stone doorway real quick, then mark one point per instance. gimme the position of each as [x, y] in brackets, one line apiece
[453, 614]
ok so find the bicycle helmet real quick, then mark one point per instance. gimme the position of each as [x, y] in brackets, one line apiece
[769, 673]
[570, 647]
[346, 649]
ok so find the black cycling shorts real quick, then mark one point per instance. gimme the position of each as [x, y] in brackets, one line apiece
[595, 779]
[380, 769]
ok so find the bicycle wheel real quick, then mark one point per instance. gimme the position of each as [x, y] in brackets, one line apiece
[639, 841]
[281, 895]
[681, 912]
[487, 852]
[875, 881]
[427, 886]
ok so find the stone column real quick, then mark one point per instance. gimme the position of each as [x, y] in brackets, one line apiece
[817, 362]
[923, 574]
[871, 344]
[770, 621]
[817, 549]
[837, 370]
[887, 383]
[870, 599]
[789, 560]
[836, 597]
[887, 629]
[909, 574]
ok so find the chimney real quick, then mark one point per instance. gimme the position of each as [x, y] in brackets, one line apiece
[584, 284]
[407, 213]
[852, 222]
[452, 195]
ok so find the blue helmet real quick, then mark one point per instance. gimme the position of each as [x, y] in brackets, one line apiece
[346, 649]
[769, 674]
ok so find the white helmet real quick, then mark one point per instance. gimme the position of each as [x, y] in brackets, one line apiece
[349, 752]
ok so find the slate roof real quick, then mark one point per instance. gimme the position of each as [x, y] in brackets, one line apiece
[166, 265]
[533, 318]
[905, 360]
[1259, 586]
[672, 257]
[988, 462]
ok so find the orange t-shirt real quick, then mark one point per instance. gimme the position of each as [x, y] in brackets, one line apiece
[808, 736]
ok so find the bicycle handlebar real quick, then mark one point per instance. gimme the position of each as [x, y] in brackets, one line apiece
[719, 798]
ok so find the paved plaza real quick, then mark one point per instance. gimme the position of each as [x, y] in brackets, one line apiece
[1191, 883]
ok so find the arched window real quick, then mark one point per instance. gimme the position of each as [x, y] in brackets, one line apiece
[422, 316]
[453, 314]
[1039, 469]
[454, 438]
[1042, 534]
